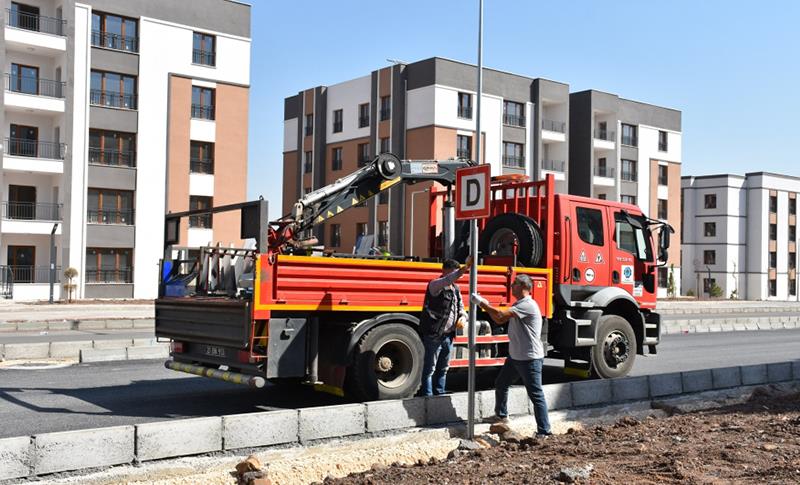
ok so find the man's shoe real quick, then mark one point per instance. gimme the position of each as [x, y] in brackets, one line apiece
[496, 419]
[544, 435]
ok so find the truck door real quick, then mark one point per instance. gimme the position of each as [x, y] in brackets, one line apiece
[633, 263]
[589, 240]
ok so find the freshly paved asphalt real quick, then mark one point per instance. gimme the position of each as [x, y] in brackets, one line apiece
[120, 393]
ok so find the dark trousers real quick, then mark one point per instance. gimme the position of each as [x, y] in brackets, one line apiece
[436, 363]
[531, 373]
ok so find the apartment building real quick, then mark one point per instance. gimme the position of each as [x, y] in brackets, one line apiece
[629, 151]
[740, 233]
[115, 112]
[426, 110]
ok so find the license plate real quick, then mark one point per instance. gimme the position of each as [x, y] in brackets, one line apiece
[213, 351]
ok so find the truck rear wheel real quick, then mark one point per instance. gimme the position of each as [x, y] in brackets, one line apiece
[503, 231]
[615, 351]
[388, 363]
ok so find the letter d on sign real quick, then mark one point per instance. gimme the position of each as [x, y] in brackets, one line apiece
[473, 192]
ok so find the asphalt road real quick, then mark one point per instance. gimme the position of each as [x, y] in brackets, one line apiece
[120, 393]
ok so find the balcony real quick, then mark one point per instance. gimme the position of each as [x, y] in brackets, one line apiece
[553, 165]
[108, 275]
[204, 58]
[604, 139]
[204, 165]
[337, 126]
[112, 158]
[386, 114]
[628, 176]
[33, 156]
[114, 41]
[110, 216]
[202, 112]
[29, 274]
[464, 153]
[465, 112]
[513, 120]
[604, 176]
[30, 217]
[25, 94]
[36, 34]
[108, 99]
[553, 131]
[513, 161]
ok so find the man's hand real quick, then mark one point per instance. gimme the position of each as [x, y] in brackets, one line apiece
[467, 264]
[461, 323]
[478, 300]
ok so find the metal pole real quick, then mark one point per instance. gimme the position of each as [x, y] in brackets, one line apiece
[473, 244]
[52, 260]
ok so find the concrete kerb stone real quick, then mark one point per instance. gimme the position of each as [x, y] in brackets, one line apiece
[73, 450]
[725, 377]
[754, 374]
[90, 325]
[141, 342]
[113, 343]
[61, 325]
[449, 408]
[665, 384]
[779, 372]
[15, 457]
[260, 429]
[69, 350]
[152, 352]
[395, 414]
[796, 370]
[182, 437]
[331, 421]
[697, 380]
[121, 323]
[38, 350]
[587, 393]
[630, 389]
[31, 326]
[103, 355]
[558, 396]
[144, 323]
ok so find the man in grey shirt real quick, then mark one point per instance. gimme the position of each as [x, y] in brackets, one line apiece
[525, 351]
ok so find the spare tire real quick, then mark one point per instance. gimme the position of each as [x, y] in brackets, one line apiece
[497, 239]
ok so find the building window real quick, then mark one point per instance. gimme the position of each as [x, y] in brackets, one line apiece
[337, 121]
[708, 283]
[710, 229]
[464, 147]
[628, 170]
[383, 234]
[793, 286]
[203, 103]
[773, 259]
[106, 206]
[112, 148]
[383, 197]
[363, 115]
[792, 260]
[709, 256]
[336, 159]
[386, 107]
[24, 79]
[629, 136]
[114, 32]
[465, 105]
[112, 90]
[773, 203]
[201, 157]
[662, 141]
[602, 170]
[307, 163]
[663, 175]
[773, 232]
[628, 199]
[792, 206]
[773, 288]
[309, 125]
[602, 196]
[513, 114]
[361, 230]
[590, 225]
[363, 154]
[336, 235]
[711, 201]
[792, 233]
[203, 51]
[105, 265]
[512, 155]
[662, 209]
[203, 221]
[663, 277]
[386, 145]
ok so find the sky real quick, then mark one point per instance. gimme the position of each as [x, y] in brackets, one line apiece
[731, 67]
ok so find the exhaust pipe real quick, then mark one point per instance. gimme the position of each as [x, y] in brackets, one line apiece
[256, 382]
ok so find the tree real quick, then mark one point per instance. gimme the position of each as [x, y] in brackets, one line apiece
[714, 290]
[70, 274]
[671, 282]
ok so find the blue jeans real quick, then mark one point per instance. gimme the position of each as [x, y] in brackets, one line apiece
[436, 363]
[531, 373]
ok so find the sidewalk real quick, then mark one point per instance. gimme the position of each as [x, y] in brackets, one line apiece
[16, 312]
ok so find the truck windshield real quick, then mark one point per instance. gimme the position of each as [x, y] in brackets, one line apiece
[634, 240]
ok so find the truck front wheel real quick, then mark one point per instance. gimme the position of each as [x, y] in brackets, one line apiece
[615, 351]
[388, 363]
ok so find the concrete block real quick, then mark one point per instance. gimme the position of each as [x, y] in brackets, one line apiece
[558, 396]
[259, 429]
[144, 323]
[178, 438]
[725, 377]
[151, 352]
[113, 343]
[15, 457]
[119, 323]
[103, 355]
[630, 389]
[39, 350]
[142, 342]
[62, 325]
[31, 326]
[91, 325]
[587, 393]
[395, 414]
[739, 327]
[796, 370]
[779, 372]
[85, 448]
[751, 325]
[764, 325]
[753, 374]
[69, 350]
[697, 380]
[331, 421]
[665, 384]
[776, 325]
[449, 408]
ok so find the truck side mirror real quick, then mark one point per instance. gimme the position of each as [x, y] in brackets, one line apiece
[663, 243]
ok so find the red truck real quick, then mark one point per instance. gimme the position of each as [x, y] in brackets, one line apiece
[287, 311]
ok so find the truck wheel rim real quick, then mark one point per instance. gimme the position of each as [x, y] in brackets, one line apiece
[616, 348]
[502, 242]
[393, 363]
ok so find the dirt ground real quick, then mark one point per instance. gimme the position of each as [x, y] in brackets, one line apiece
[757, 441]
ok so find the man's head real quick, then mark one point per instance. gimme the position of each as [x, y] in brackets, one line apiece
[449, 266]
[521, 287]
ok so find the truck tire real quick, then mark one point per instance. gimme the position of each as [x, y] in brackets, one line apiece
[615, 351]
[387, 363]
[501, 231]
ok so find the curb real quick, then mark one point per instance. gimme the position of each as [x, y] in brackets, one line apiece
[24, 456]
[82, 324]
[87, 350]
